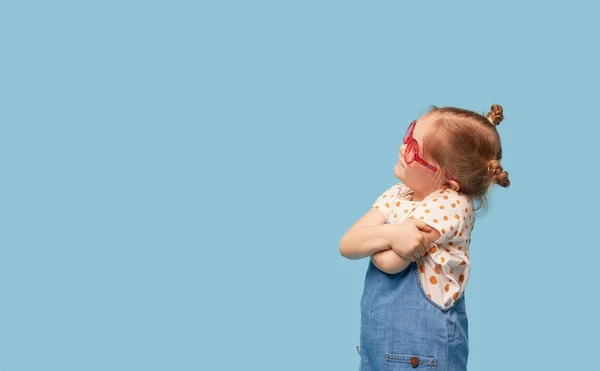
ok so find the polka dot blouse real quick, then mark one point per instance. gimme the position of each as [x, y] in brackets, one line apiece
[445, 268]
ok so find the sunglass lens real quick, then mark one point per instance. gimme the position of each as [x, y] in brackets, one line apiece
[409, 152]
[407, 134]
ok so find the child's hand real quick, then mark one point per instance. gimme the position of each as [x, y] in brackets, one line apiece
[407, 240]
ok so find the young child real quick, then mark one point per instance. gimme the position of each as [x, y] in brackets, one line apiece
[449, 159]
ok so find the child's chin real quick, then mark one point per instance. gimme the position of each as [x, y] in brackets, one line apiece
[397, 175]
[397, 170]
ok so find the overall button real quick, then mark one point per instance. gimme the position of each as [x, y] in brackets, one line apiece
[414, 361]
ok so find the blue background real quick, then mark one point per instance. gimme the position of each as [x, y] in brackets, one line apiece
[177, 176]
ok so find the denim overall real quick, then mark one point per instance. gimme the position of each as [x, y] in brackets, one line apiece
[402, 329]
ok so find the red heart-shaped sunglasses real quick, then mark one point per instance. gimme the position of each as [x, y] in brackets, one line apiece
[412, 150]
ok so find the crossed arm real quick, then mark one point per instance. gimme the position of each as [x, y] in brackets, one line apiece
[370, 236]
[389, 262]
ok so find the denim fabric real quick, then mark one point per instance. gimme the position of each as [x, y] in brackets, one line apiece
[402, 328]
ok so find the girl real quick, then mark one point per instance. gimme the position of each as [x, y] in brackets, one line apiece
[418, 236]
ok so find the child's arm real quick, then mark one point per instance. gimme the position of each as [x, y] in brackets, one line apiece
[366, 237]
[370, 233]
[389, 262]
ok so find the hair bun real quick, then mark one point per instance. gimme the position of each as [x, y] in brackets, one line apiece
[497, 173]
[496, 114]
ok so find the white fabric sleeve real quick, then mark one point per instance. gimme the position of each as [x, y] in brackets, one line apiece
[446, 212]
[384, 202]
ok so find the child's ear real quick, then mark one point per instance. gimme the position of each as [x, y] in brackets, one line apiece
[453, 185]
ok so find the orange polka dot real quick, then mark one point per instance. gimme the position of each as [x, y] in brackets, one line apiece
[458, 202]
[456, 233]
[466, 210]
[445, 197]
[406, 211]
[443, 260]
[377, 207]
[447, 250]
[467, 226]
[451, 271]
[445, 218]
[424, 205]
[384, 196]
[443, 230]
[433, 280]
[461, 278]
[422, 268]
[427, 211]
[466, 254]
[463, 263]
[432, 250]
[387, 204]
[429, 296]
[464, 218]
[455, 296]
[447, 288]
[397, 203]
[435, 220]
[395, 215]
[460, 247]
[442, 207]
[426, 253]
[437, 269]
[457, 216]
[435, 199]
[422, 218]
[453, 205]
[451, 228]
[451, 243]
[460, 235]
